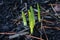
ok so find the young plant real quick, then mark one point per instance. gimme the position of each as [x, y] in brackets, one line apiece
[24, 19]
[32, 14]
[39, 18]
[31, 19]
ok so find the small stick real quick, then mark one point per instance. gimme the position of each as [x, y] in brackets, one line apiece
[7, 33]
[34, 37]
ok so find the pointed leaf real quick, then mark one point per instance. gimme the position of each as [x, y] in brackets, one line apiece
[24, 19]
[38, 12]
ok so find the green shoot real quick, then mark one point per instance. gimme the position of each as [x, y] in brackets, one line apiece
[31, 19]
[24, 19]
[32, 14]
[39, 18]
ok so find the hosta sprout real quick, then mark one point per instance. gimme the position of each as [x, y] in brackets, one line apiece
[24, 19]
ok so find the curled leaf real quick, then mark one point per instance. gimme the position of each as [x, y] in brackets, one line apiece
[31, 19]
[24, 19]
